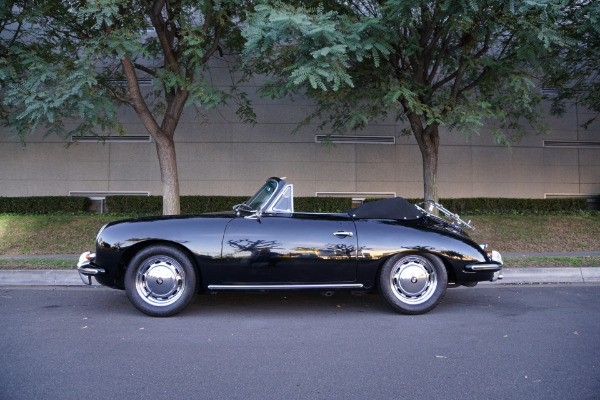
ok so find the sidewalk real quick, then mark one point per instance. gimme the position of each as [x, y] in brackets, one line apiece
[511, 275]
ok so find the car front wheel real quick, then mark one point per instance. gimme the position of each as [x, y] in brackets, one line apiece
[413, 284]
[160, 281]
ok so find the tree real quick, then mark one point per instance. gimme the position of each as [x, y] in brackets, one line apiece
[67, 67]
[453, 63]
[577, 74]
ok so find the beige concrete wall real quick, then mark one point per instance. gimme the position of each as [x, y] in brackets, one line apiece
[219, 155]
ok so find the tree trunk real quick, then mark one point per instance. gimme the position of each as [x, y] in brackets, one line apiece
[428, 139]
[165, 148]
[429, 153]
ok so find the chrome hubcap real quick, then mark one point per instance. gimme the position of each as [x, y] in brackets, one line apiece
[413, 280]
[160, 281]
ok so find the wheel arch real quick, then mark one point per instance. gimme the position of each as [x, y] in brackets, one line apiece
[131, 251]
[449, 269]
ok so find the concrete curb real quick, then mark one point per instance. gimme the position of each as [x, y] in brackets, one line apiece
[40, 278]
[511, 276]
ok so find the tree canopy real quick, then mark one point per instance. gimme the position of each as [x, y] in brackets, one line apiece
[458, 64]
[67, 66]
[576, 77]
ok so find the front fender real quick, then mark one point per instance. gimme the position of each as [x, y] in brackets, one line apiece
[200, 236]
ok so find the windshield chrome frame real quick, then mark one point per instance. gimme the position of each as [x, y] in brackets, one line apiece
[267, 204]
[428, 206]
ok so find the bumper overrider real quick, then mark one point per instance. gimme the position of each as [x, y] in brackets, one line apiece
[86, 269]
[495, 266]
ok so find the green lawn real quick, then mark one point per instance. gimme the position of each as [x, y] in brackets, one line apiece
[39, 263]
[49, 234]
[538, 233]
[554, 262]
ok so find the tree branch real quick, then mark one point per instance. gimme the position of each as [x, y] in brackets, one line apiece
[215, 45]
[145, 69]
[137, 100]
[438, 59]
[165, 40]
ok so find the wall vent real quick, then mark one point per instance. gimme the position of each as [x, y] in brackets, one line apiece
[112, 139]
[568, 196]
[355, 139]
[574, 144]
[98, 194]
[357, 195]
[550, 91]
[123, 82]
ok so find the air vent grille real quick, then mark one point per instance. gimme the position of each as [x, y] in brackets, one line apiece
[355, 139]
[568, 195]
[550, 91]
[112, 139]
[576, 144]
[357, 195]
[123, 82]
[100, 194]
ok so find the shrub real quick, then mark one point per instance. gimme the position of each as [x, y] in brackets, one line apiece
[152, 205]
[43, 204]
[207, 204]
[491, 204]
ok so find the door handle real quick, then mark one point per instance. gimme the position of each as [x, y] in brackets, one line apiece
[343, 234]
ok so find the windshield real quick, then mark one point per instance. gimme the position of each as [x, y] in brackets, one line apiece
[261, 197]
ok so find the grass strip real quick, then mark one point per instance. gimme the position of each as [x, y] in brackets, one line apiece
[38, 263]
[551, 262]
[50, 234]
[509, 233]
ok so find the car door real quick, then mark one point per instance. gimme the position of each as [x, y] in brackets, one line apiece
[292, 248]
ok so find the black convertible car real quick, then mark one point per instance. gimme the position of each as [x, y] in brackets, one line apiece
[405, 251]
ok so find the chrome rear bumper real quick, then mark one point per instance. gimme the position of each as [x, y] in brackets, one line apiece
[86, 269]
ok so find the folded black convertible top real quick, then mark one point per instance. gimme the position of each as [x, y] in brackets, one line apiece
[395, 208]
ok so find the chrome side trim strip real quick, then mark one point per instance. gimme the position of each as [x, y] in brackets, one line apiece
[287, 287]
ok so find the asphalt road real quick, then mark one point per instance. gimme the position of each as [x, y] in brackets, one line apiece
[501, 342]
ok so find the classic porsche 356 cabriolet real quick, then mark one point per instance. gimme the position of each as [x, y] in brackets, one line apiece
[407, 252]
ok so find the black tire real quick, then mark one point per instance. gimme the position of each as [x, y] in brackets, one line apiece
[160, 281]
[414, 283]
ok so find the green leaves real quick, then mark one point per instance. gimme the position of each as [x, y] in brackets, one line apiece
[49, 92]
[455, 63]
[323, 43]
[63, 68]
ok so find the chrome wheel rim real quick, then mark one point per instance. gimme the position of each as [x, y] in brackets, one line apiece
[160, 281]
[413, 280]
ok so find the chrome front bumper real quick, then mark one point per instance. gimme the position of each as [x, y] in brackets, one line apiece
[495, 266]
[86, 269]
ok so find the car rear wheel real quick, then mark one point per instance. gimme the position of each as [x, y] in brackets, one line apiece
[160, 281]
[413, 284]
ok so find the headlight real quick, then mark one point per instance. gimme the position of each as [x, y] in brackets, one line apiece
[492, 254]
[496, 256]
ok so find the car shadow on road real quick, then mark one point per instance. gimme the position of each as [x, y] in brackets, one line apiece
[456, 301]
